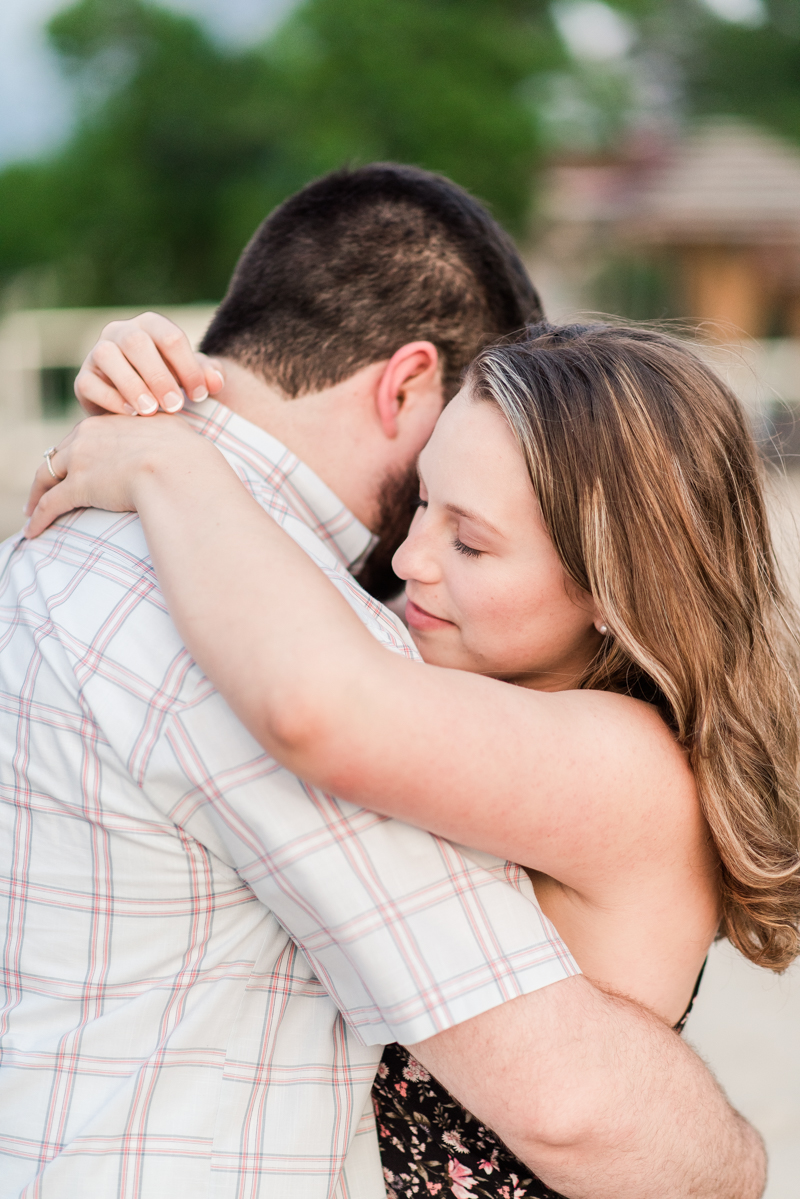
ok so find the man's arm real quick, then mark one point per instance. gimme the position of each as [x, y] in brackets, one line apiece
[599, 1097]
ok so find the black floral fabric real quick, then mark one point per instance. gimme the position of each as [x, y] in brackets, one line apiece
[430, 1145]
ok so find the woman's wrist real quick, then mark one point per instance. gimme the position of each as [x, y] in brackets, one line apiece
[183, 487]
[121, 465]
[171, 463]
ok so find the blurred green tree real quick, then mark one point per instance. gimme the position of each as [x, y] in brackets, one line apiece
[183, 145]
[137, 206]
[750, 71]
[439, 83]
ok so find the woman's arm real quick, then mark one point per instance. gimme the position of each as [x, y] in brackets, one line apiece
[566, 783]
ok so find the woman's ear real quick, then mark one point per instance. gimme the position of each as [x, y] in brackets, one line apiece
[412, 370]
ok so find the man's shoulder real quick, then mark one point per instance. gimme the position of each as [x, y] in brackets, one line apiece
[81, 606]
[82, 533]
[86, 569]
[88, 542]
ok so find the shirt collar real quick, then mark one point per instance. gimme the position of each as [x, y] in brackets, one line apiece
[282, 471]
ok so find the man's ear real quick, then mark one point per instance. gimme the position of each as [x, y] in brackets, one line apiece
[414, 368]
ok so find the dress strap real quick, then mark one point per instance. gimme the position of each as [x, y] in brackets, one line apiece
[679, 1027]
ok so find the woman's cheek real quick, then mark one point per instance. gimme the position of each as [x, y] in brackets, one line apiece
[490, 619]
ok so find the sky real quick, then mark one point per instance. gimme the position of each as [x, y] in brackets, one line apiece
[35, 104]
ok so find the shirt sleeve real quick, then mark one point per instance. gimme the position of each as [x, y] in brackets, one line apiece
[408, 933]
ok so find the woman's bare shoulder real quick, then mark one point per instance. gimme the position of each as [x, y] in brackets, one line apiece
[629, 723]
[628, 777]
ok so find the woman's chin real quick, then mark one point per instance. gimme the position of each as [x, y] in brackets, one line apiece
[436, 651]
[438, 641]
[423, 644]
[426, 643]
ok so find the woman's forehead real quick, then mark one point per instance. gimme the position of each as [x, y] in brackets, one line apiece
[472, 425]
[474, 459]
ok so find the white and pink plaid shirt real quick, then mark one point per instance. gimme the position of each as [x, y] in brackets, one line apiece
[202, 955]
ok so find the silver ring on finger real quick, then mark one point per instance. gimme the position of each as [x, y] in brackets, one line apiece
[48, 454]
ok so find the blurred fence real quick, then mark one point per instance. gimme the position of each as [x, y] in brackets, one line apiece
[40, 353]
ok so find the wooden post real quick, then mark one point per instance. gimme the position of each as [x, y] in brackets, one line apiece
[725, 286]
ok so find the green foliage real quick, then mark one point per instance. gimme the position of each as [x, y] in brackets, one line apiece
[183, 146]
[751, 72]
[637, 287]
[137, 206]
[432, 82]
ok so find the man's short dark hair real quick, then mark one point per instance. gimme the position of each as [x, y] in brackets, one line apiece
[361, 262]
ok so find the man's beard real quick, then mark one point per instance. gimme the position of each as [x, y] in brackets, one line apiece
[399, 495]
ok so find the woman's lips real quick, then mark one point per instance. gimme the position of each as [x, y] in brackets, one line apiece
[418, 618]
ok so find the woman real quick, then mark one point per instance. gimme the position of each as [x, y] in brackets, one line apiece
[592, 530]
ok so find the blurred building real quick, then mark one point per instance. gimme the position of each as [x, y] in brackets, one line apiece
[707, 229]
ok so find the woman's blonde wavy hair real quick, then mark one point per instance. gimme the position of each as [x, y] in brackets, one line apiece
[650, 486]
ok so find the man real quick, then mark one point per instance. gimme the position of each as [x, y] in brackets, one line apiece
[204, 955]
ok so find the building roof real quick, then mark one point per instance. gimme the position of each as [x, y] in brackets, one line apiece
[726, 183]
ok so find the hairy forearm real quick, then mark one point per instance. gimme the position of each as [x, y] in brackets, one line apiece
[599, 1097]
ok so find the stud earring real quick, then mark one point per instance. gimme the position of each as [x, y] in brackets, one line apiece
[603, 630]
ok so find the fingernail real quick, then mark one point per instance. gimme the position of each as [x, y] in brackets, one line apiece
[147, 405]
[126, 408]
[25, 510]
[25, 528]
[200, 393]
[219, 375]
[172, 402]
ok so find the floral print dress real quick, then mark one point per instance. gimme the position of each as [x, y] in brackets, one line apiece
[431, 1145]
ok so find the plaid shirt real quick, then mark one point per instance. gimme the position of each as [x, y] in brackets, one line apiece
[203, 955]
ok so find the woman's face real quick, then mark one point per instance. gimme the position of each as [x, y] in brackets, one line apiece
[486, 590]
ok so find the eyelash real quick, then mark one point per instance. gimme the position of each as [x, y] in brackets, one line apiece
[468, 550]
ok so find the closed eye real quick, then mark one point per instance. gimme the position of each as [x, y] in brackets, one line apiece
[468, 550]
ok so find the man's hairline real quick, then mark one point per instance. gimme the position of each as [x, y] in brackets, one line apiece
[445, 382]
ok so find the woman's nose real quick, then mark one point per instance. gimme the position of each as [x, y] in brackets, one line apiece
[415, 559]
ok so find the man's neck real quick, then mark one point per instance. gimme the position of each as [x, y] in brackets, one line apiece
[325, 429]
[251, 397]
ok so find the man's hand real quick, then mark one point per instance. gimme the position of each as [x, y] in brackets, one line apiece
[143, 366]
[599, 1097]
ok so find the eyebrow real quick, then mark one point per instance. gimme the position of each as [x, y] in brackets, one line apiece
[467, 513]
[473, 516]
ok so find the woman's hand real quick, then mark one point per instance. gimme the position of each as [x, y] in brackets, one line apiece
[142, 366]
[104, 461]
